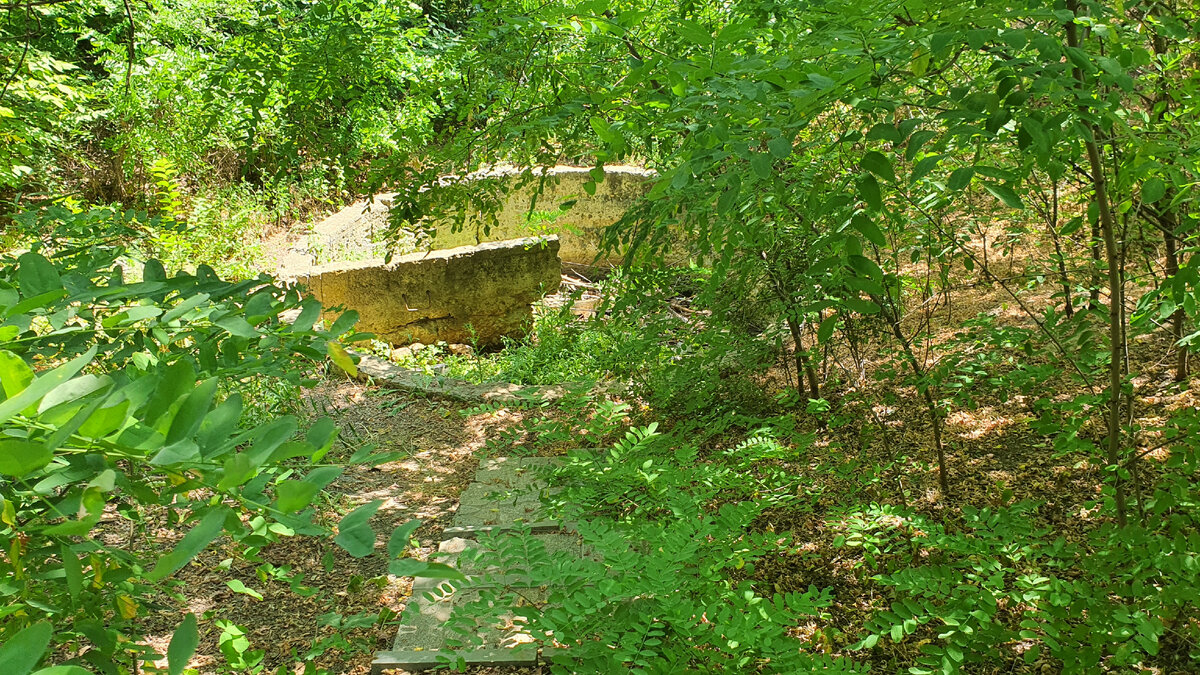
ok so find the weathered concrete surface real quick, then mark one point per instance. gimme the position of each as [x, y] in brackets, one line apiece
[433, 630]
[580, 228]
[471, 294]
[389, 374]
[357, 231]
[506, 491]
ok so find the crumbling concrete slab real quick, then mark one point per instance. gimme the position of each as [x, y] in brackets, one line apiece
[505, 495]
[514, 472]
[464, 555]
[533, 527]
[433, 631]
[507, 491]
[412, 660]
[430, 622]
[472, 294]
[389, 374]
[361, 230]
[581, 227]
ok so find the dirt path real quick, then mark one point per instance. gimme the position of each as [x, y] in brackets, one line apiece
[318, 603]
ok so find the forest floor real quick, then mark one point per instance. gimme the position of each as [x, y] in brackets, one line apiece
[353, 605]
[343, 609]
[347, 608]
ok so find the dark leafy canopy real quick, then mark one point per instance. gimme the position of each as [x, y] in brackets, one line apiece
[733, 104]
[284, 95]
[818, 147]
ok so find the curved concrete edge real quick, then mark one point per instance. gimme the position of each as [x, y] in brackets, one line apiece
[362, 229]
[417, 382]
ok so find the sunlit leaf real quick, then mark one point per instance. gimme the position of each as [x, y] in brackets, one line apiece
[35, 275]
[195, 541]
[183, 644]
[22, 651]
[408, 567]
[878, 164]
[341, 358]
[19, 458]
[398, 542]
[354, 531]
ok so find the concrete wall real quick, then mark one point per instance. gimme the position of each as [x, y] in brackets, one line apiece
[356, 232]
[471, 294]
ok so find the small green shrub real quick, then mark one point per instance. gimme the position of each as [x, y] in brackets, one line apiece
[666, 585]
[993, 582]
[222, 228]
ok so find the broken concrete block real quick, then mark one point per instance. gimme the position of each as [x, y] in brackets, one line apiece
[471, 294]
[361, 230]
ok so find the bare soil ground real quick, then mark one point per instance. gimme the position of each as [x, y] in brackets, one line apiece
[994, 458]
[441, 450]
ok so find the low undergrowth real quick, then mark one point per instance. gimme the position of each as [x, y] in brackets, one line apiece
[779, 534]
[735, 557]
[677, 354]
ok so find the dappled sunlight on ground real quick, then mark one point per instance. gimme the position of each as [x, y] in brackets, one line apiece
[309, 585]
[871, 469]
[975, 424]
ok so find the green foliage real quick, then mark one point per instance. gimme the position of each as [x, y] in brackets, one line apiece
[122, 404]
[560, 349]
[993, 582]
[235, 646]
[41, 112]
[666, 584]
[831, 170]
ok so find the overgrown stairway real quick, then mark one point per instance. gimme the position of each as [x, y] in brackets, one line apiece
[506, 495]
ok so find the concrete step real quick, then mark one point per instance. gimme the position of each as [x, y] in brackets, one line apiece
[525, 655]
[431, 622]
[432, 634]
[507, 492]
[465, 556]
[506, 495]
[514, 472]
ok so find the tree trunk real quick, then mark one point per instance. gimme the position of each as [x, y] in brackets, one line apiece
[930, 403]
[803, 365]
[1170, 224]
[1177, 317]
[1058, 253]
[1116, 299]
[1094, 292]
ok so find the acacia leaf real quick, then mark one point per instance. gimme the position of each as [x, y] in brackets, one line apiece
[863, 223]
[825, 330]
[191, 545]
[400, 536]
[183, 644]
[341, 358]
[354, 531]
[878, 164]
[22, 652]
[408, 567]
[868, 189]
[1153, 190]
[44, 385]
[20, 457]
[294, 495]
[1005, 194]
[36, 276]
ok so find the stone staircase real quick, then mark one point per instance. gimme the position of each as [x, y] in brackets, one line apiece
[505, 495]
